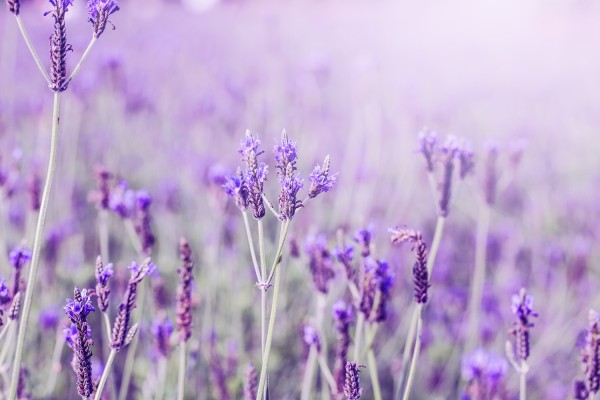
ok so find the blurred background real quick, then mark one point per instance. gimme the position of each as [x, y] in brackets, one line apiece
[164, 100]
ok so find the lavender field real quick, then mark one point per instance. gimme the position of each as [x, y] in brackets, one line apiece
[299, 200]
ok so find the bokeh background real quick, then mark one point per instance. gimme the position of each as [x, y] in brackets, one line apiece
[164, 99]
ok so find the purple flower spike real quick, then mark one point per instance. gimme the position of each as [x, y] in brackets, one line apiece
[420, 272]
[352, 383]
[345, 255]
[256, 174]
[162, 330]
[122, 200]
[103, 273]
[378, 279]
[59, 46]
[449, 152]
[237, 187]
[427, 143]
[19, 256]
[466, 159]
[591, 353]
[522, 308]
[320, 180]
[286, 157]
[343, 315]
[99, 11]
[79, 308]
[184, 292]
[321, 264]
[78, 337]
[484, 373]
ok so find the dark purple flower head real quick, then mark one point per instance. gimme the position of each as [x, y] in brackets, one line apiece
[376, 290]
[99, 11]
[321, 263]
[449, 151]
[236, 187]
[345, 255]
[320, 180]
[79, 309]
[5, 294]
[286, 157]
[591, 353]
[352, 388]
[522, 308]
[343, 312]
[256, 174]
[19, 256]
[101, 194]
[143, 199]
[59, 46]
[14, 6]
[138, 272]
[311, 337]
[142, 220]
[580, 391]
[420, 272]
[122, 200]
[363, 237]
[162, 330]
[184, 291]
[427, 143]
[343, 315]
[285, 154]
[70, 333]
[103, 274]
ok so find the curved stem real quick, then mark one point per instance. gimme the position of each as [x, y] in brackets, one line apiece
[415, 357]
[483, 224]
[282, 236]
[265, 358]
[181, 379]
[37, 244]
[251, 245]
[107, 367]
[83, 57]
[34, 54]
[374, 375]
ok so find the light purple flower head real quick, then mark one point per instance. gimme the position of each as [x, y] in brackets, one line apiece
[99, 10]
[320, 180]
[79, 310]
[19, 256]
[311, 337]
[236, 187]
[122, 200]
[255, 174]
[427, 143]
[5, 296]
[286, 157]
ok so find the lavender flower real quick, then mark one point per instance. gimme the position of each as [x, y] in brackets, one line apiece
[122, 200]
[449, 151]
[345, 255]
[59, 46]
[236, 187]
[320, 180]
[35, 191]
[420, 273]
[142, 220]
[484, 373]
[99, 11]
[218, 375]
[184, 292]
[343, 315]
[522, 308]
[465, 159]
[363, 238]
[17, 258]
[321, 264]
[77, 309]
[378, 279]
[5, 294]
[591, 353]
[427, 143]
[162, 330]
[286, 158]
[15, 307]
[250, 382]
[14, 6]
[311, 337]
[103, 274]
[101, 195]
[49, 318]
[256, 174]
[580, 391]
[352, 383]
[121, 324]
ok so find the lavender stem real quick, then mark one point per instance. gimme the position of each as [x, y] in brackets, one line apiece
[133, 238]
[358, 335]
[162, 376]
[251, 245]
[483, 224]
[5, 329]
[103, 233]
[282, 236]
[105, 374]
[107, 325]
[374, 375]
[263, 291]
[523, 381]
[415, 357]
[55, 366]
[37, 244]
[181, 378]
[371, 333]
[34, 54]
[309, 373]
[327, 372]
[83, 57]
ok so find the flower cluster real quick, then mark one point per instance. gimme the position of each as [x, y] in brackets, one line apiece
[320, 180]
[59, 46]
[522, 304]
[99, 11]
[255, 175]
[484, 373]
[103, 274]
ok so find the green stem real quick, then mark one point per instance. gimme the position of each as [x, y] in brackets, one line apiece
[523, 385]
[5, 329]
[263, 289]
[103, 234]
[265, 359]
[309, 373]
[408, 346]
[105, 374]
[374, 375]
[483, 224]
[34, 54]
[55, 367]
[37, 245]
[107, 325]
[371, 333]
[415, 357]
[358, 335]
[435, 244]
[83, 57]
[327, 372]
[181, 380]
[251, 245]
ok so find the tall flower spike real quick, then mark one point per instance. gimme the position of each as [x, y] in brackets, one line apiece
[184, 292]
[121, 324]
[256, 173]
[352, 382]
[522, 304]
[377, 280]
[420, 273]
[449, 151]
[591, 353]
[14, 6]
[17, 258]
[101, 195]
[15, 307]
[99, 11]
[103, 273]
[343, 316]
[320, 180]
[237, 187]
[59, 46]
[427, 143]
[286, 158]
[77, 309]
[250, 382]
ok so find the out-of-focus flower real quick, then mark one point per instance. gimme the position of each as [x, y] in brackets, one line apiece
[236, 187]
[321, 264]
[522, 308]
[427, 143]
[343, 315]
[250, 382]
[320, 180]
[162, 330]
[484, 373]
[311, 337]
[184, 292]
[376, 290]
[99, 11]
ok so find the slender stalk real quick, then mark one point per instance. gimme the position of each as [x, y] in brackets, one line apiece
[282, 235]
[5, 329]
[358, 335]
[415, 357]
[408, 346]
[435, 244]
[133, 238]
[162, 377]
[55, 367]
[265, 358]
[34, 54]
[103, 234]
[181, 379]
[523, 382]
[309, 373]
[483, 224]
[374, 375]
[327, 372]
[251, 245]
[105, 374]
[107, 325]
[263, 290]
[7, 346]
[83, 57]
[371, 333]
[37, 244]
